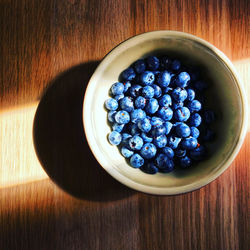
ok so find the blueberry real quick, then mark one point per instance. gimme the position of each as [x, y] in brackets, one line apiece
[169, 152]
[136, 161]
[157, 90]
[194, 106]
[146, 138]
[200, 85]
[153, 62]
[117, 88]
[115, 138]
[144, 125]
[164, 79]
[164, 164]
[140, 102]
[165, 101]
[189, 143]
[117, 127]
[165, 113]
[190, 94]
[182, 130]
[111, 104]
[165, 62]
[209, 116]
[149, 168]
[148, 92]
[194, 132]
[151, 106]
[122, 117]
[167, 90]
[139, 66]
[159, 130]
[148, 151]
[209, 135]
[127, 85]
[168, 126]
[125, 138]
[177, 105]
[134, 129]
[137, 114]
[176, 65]
[111, 115]
[180, 152]
[198, 153]
[173, 142]
[135, 142]
[126, 152]
[135, 90]
[185, 162]
[195, 120]
[156, 121]
[160, 141]
[147, 78]
[183, 79]
[127, 104]
[118, 97]
[179, 94]
[128, 74]
[182, 114]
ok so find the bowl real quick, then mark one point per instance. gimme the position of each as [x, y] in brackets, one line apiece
[225, 95]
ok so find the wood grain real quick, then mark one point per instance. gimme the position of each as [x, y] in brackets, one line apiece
[49, 49]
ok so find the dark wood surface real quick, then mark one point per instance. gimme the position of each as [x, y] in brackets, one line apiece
[49, 49]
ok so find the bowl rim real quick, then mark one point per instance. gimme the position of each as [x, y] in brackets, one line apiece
[86, 116]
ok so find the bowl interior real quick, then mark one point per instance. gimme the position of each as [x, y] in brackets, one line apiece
[223, 96]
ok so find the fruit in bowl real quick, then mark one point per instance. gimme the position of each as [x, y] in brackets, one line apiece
[224, 95]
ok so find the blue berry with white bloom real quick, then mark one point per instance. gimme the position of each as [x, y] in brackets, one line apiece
[180, 152]
[127, 104]
[128, 74]
[153, 62]
[140, 66]
[164, 79]
[117, 88]
[182, 114]
[118, 97]
[137, 114]
[144, 125]
[195, 120]
[157, 90]
[194, 106]
[127, 85]
[165, 101]
[166, 113]
[185, 162]
[179, 94]
[152, 106]
[173, 142]
[194, 132]
[125, 138]
[122, 117]
[147, 78]
[111, 104]
[148, 92]
[190, 94]
[134, 130]
[159, 130]
[118, 127]
[160, 141]
[135, 90]
[127, 153]
[168, 126]
[146, 138]
[156, 121]
[135, 142]
[198, 153]
[140, 102]
[189, 143]
[136, 161]
[177, 105]
[183, 79]
[115, 138]
[148, 151]
[111, 116]
[164, 163]
[182, 130]
[169, 152]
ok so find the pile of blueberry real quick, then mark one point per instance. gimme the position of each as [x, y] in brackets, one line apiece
[155, 114]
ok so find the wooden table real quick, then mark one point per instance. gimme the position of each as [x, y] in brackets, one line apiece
[49, 49]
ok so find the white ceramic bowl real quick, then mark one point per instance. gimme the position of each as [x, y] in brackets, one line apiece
[225, 95]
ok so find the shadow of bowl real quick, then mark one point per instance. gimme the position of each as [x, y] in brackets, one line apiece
[60, 142]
